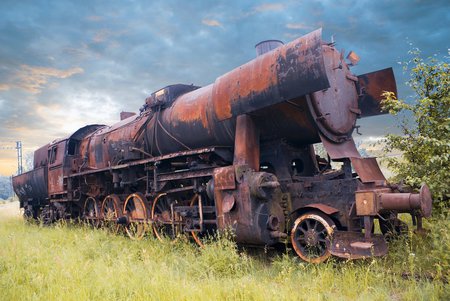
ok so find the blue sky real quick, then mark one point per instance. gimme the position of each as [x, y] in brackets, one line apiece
[64, 64]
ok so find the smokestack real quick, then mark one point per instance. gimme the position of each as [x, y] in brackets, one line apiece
[266, 46]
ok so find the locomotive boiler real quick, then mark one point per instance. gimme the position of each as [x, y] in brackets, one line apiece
[237, 154]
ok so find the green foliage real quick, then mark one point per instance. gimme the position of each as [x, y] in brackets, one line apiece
[425, 126]
[72, 262]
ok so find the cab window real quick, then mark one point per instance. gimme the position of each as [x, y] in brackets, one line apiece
[52, 154]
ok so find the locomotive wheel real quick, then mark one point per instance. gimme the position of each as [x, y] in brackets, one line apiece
[110, 211]
[91, 212]
[48, 215]
[161, 215]
[136, 211]
[311, 235]
[27, 214]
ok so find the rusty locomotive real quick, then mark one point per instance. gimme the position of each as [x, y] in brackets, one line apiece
[236, 154]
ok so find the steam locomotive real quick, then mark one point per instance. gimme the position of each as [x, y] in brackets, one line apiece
[237, 154]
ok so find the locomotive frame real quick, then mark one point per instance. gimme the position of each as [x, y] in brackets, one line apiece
[238, 155]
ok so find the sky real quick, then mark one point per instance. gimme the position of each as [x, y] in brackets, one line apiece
[65, 64]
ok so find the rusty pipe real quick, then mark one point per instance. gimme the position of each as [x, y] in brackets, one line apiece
[406, 202]
[399, 201]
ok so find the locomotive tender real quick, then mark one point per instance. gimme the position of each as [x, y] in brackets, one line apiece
[236, 154]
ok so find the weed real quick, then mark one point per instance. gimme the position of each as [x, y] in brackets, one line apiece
[77, 262]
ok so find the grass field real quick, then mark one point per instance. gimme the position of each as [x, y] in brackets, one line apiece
[73, 262]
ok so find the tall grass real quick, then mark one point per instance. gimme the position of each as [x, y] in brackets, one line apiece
[73, 262]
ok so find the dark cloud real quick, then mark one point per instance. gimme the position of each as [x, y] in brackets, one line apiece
[129, 49]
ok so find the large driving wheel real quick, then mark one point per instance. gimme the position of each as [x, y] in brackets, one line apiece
[136, 212]
[163, 217]
[110, 211]
[311, 235]
[91, 212]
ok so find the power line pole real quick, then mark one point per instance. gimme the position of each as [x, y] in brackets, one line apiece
[19, 157]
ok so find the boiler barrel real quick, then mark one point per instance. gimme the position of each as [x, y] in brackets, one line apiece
[261, 87]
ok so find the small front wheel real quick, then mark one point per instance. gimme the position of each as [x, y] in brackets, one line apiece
[311, 236]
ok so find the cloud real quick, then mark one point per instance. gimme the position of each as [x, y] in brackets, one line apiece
[269, 7]
[94, 18]
[5, 87]
[32, 78]
[82, 107]
[212, 23]
[298, 26]
[101, 36]
[266, 9]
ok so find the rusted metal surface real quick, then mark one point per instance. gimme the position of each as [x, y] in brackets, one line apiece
[55, 167]
[224, 178]
[228, 203]
[288, 72]
[108, 146]
[136, 210]
[353, 245]
[256, 218]
[372, 85]
[367, 169]
[406, 202]
[426, 201]
[287, 120]
[324, 208]
[335, 109]
[373, 202]
[188, 124]
[31, 185]
[311, 236]
[86, 130]
[220, 151]
[346, 149]
[164, 97]
[186, 175]
[40, 157]
[91, 211]
[366, 203]
[246, 143]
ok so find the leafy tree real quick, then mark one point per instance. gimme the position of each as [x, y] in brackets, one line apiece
[425, 127]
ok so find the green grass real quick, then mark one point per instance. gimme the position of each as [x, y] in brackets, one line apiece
[73, 262]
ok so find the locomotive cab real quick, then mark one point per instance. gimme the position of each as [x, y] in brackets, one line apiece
[56, 158]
